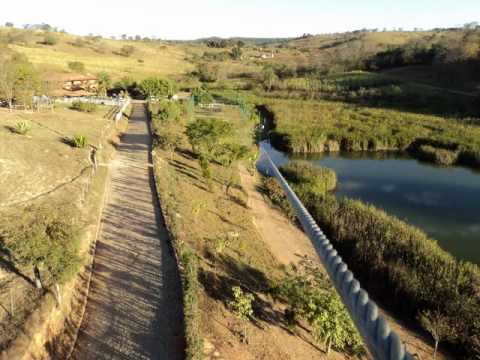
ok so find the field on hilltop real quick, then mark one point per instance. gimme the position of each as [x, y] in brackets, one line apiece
[147, 58]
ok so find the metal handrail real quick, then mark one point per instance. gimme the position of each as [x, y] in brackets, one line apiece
[381, 341]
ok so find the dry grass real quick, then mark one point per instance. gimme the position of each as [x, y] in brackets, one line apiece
[40, 162]
[31, 167]
[149, 58]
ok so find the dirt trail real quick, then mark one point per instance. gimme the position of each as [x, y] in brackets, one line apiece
[134, 308]
[289, 244]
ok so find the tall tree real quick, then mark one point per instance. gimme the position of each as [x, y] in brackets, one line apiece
[104, 83]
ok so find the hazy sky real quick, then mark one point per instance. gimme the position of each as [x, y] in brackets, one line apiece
[188, 19]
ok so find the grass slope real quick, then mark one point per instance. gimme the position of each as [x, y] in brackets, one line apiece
[148, 58]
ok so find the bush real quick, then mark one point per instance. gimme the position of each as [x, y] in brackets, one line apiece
[438, 156]
[46, 239]
[78, 141]
[202, 96]
[310, 296]
[22, 128]
[310, 179]
[126, 50]
[191, 310]
[76, 66]
[168, 111]
[208, 72]
[84, 106]
[50, 40]
[156, 87]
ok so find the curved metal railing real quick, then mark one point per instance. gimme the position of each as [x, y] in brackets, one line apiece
[380, 340]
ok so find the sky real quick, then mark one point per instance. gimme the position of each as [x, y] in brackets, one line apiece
[192, 19]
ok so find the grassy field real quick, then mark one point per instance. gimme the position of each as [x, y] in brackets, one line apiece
[148, 58]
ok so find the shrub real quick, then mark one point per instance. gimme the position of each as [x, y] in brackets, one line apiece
[191, 310]
[202, 96]
[45, 239]
[168, 111]
[155, 87]
[126, 50]
[241, 304]
[50, 40]
[310, 179]
[78, 141]
[76, 66]
[309, 295]
[208, 72]
[84, 106]
[437, 155]
[22, 128]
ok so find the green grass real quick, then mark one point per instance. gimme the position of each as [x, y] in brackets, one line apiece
[318, 126]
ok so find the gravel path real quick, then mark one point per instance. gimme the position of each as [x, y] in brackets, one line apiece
[134, 308]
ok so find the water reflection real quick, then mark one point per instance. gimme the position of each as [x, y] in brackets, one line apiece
[444, 202]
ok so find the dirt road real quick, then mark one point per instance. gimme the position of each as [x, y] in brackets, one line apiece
[134, 308]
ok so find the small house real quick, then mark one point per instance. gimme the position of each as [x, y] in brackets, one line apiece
[72, 85]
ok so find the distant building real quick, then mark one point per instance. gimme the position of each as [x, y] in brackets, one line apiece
[182, 96]
[72, 85]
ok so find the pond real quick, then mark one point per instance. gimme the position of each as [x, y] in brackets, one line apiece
[442, 201]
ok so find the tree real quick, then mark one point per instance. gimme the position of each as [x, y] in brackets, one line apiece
[236, 53]
[9, 24]
[169, 140]
[126, 84]
[104, 83]
[208, 72]
[168, 111]
[438, 326]
[19, 80]
[155, 87]
[46, 240]
[269, 78]
[7, 81]
[228, 154]
[204, 134]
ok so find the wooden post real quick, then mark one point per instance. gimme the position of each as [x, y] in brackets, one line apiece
[58, 295]
[12, 307]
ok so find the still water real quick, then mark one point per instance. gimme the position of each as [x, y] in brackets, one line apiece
[442, 201]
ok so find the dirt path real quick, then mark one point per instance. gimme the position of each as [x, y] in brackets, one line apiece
[288, 243]
[134, 308]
